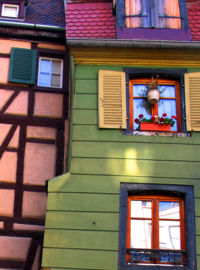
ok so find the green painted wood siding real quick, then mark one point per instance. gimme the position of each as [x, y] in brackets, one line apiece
[82, 220]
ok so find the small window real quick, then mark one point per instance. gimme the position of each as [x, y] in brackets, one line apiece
[11, 11]
[167, 108]
[50, 72]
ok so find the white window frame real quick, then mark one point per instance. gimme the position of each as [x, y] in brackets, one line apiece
[4, 13]
[61, 73]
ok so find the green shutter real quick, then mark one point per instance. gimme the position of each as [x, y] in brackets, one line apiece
[22, 66]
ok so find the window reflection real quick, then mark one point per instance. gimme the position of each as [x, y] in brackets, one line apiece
[169, 210]
[141, 209]
[141, 233]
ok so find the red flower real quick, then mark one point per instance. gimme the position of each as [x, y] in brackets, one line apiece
[162, 119]
[174, 116]
[153, 118]
[164, 115]
[141, 115]
[137, 120]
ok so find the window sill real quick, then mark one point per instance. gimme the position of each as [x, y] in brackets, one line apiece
[153, 34]
[156, 133]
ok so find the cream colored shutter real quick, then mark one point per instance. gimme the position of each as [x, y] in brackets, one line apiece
[112, 99]
[192, 99]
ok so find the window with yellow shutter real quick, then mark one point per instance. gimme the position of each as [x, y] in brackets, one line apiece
[192, 99]
[122, 104]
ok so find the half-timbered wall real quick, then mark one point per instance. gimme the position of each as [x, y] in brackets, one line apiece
[32, 124]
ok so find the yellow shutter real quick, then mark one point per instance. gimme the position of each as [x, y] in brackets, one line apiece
[192, 99]
[112, 99]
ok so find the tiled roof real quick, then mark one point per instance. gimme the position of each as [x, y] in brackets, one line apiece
[48, 12]
[194, 19]
[90, 20]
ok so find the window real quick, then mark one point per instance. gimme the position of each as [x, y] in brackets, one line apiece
[169, 14]
[156, 230]
[154, 220]
[152, 19]
[168, 104]
[50, 72]
[118, 105]
[10, 10]
[152, 14]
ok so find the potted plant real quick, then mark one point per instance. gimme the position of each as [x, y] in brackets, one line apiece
[156, 123]
[151, 93]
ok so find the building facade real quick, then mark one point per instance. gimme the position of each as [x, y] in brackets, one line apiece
[33, 117]
[130, 196]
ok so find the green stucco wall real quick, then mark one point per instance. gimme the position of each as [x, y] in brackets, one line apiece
[83, 205]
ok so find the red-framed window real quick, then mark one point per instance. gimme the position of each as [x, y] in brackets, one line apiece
[169, 102]
[156, 230]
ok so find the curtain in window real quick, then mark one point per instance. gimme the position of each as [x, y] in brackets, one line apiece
[172, 9]
[133, 7]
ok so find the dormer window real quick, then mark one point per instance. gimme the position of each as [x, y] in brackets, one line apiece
[152, 19]
[11, 11]
[152, 14]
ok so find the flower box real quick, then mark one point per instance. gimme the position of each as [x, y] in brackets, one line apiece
[146, 126]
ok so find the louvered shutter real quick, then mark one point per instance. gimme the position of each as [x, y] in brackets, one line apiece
[112, 99]
[22, 66]
[192, 98]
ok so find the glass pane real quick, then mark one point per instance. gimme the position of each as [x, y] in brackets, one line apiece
[56, 67]
[167, 90]
[168, 107]
[44, 79]
[169, 210]
[169, 235]
[55, 81]
[140, 234]
[45, 66]
[138, 90]
[141, 209]
[10, 11]
[140, 106]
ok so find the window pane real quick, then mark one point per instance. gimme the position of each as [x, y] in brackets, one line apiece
[44, 79]
[140, 106]
[169, 210]
[169, 235]
[10, 11]
[167, 90]
[138, 90]
[141, 209]
[168, 107]
[55, 81]
[45, 66]
[140, 234]
[56, 67]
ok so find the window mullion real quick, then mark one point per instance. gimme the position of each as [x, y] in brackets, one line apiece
[155, 224]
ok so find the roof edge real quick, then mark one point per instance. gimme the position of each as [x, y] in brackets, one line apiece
[125, 43]
[31, 25]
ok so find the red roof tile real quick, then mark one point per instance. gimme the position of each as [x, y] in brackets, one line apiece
[193, 9]
[90, 20]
